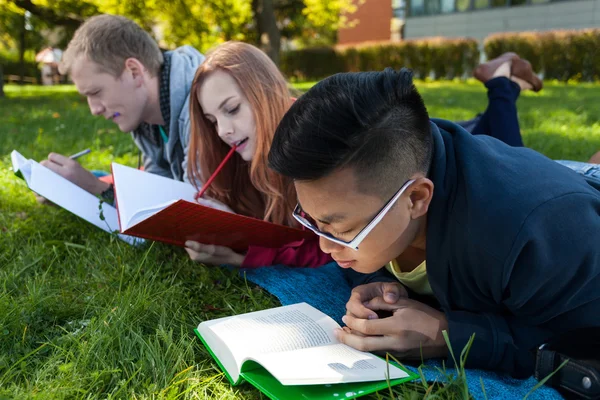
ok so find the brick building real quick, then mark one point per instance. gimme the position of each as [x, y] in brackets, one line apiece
[382, 19]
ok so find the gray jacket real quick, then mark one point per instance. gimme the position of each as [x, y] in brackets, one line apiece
[170, 159]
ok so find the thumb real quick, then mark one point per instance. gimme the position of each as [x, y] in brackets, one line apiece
[391, 292]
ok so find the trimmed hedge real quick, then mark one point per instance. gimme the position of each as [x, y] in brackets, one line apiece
[437, 57]
[563, 55]
[12, 66]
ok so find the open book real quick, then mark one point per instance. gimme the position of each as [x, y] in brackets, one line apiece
[291, 352]
[67, 195]
[158, 208]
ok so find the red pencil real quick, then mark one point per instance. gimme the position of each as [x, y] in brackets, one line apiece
[214, 175]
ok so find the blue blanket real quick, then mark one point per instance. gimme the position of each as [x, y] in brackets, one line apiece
[325, 289]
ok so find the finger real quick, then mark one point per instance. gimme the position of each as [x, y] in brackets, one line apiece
[356, 307]
[40, 199]
[207, 202]
[392, 291]
[378, 303]
[203, 257]
[52, 166]
[209, 249]
[380, 326]
[59, 159]
[346, 329]
[190, 244]
[364, 343]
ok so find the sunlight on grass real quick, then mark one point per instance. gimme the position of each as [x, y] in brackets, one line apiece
[83, 315]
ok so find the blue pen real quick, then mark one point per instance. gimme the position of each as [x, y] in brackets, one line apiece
[81, 153]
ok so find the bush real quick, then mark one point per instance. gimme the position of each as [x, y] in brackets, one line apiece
[309, 64]
[12, 66]
[563, 55]
[444, 58]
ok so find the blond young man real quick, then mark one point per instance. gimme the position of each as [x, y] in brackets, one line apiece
[127, 79]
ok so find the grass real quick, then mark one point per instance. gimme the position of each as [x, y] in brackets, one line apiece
[83, 315]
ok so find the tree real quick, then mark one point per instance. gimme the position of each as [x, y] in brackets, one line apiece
[203, 23]
[269, 37]
[1, 81]
[21, 33]
[63, 14]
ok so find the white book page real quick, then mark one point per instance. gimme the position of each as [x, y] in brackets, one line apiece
[141, 194]
[281, 329]
[220, 350]
[22, 165]
[335, 363]
[69, 196]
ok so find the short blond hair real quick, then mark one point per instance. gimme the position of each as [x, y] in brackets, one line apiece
[109, 40]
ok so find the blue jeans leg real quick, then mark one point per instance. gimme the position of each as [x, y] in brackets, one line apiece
[590, 171]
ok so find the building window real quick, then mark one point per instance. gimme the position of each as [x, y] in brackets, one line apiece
[447, 6]
[435, 7]
[417, 7]
[399, 8]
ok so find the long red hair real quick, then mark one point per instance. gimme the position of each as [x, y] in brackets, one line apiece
[248, 188]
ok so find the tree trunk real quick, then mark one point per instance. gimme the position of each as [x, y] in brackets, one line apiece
[22, 50]
[266, 23]
[69, 21]
[1, 82]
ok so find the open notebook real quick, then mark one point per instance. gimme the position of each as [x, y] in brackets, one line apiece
[67, 195]
[291, 352]
[158, 208]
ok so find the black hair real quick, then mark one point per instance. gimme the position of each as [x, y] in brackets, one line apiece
[373, 122]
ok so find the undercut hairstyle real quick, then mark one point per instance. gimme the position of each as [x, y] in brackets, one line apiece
[372, 122]
[109, 40]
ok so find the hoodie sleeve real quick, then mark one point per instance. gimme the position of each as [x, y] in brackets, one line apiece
[303, 253]
[186, 145]
[550, 285]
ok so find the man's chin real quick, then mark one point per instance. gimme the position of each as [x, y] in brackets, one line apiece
[126, 128]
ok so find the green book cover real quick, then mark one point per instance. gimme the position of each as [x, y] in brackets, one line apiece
[260, 378]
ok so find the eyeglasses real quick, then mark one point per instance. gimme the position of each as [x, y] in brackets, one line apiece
[354, 243]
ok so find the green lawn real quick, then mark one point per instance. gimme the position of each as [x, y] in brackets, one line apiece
[83, 315]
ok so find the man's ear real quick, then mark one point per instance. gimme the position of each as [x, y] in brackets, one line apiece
[421, 193]
[136, 70]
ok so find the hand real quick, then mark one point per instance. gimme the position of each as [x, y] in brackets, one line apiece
[74, 172]
[211, 254]
[413, 331]
[358, 305]
[217, 205]
[43, 200]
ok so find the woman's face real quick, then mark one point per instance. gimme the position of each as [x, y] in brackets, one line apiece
[226, 107]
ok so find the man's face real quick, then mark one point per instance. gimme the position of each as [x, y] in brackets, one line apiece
[120, 99]
[340, 209]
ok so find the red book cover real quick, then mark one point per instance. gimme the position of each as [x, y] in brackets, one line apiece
[183, 219]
